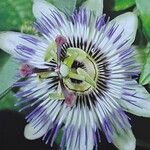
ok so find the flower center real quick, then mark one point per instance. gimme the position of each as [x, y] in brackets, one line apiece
[76, 68]
[72, 69]
[83, 72]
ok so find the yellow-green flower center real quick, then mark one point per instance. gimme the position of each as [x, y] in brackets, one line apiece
[82, 71]
[77, 69]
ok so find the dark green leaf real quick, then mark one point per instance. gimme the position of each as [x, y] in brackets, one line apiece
[66, 6]
[14, 12]
[8, 71]
[8, 101]
[145, 75]
[144, 9]
[123, 4]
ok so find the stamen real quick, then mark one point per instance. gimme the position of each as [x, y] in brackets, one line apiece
[25, 70]
[60, 40]
[70, 97]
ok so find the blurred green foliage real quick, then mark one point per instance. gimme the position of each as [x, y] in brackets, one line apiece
[145, 74]
[144, 9]
[14, 13]
[123, 4]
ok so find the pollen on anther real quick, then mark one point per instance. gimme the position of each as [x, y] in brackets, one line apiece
[25, 70]
[60, 40]
[70, 99]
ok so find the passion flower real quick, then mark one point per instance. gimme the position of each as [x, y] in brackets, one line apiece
[78, 77]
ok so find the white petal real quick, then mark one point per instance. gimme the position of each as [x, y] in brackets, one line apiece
[94, 5]
[124, 141]
[32, 133]
[52, 21]
[140, 102]
[9, 41]
[127, 22]
[41, 7]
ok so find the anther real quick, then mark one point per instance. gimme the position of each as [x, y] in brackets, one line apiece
[70, 99]
[25, 70]
[60, 40]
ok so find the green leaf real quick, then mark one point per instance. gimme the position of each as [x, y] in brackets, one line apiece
[8, 101]
[8, 70]
[66, 6]
[145, 75]
[14, 13]
[141, 54]
[144, 8]
[123, 4]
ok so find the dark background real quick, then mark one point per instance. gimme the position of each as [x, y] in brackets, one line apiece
[12, 128]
